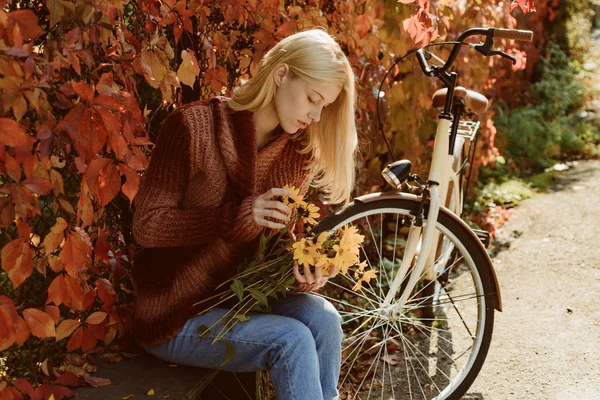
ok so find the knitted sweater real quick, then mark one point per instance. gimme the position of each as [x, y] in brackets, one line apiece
[193, 217]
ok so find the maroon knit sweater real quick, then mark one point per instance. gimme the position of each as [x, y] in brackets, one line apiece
[193, 216]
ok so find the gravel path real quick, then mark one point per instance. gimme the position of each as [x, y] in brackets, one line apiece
[546, 342]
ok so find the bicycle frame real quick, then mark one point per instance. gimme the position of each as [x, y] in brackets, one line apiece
[424, 240]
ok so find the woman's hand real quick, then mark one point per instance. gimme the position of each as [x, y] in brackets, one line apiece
[308, 281]
[265, 207]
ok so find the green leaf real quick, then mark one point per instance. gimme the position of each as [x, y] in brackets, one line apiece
[500, 160]
[238, 288]
[203, 330]
[263, 245]
[258, 296]
[290, 282]
[242, 317]
[229, 353]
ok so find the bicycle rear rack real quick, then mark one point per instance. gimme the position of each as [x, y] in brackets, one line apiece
[467, 129]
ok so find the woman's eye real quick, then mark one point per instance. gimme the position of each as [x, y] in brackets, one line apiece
[312, 101]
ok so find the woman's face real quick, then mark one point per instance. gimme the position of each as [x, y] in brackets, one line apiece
[299, 102]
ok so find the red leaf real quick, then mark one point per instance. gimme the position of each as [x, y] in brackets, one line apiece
[95, 381]
[13, 169]
[69, 379]
[88, 340]
[106, 292]
[75, 341]
[76, 253]
[10, 393]
[24, 386]
[54, 312]
[40, 324]
[7, 329]
[27, 22]
[75, 294]
[286, 29]
[17, 261]
[102, 246]
[38, 185]
[56, 291]
[363, 24]
[217, 77]
[83, 90]
[12, 133]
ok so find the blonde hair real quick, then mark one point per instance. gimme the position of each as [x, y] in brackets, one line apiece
[315, 56]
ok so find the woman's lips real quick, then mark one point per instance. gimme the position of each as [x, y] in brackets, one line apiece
[302, 124]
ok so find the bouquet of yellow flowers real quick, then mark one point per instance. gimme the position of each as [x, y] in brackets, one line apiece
[269, 274]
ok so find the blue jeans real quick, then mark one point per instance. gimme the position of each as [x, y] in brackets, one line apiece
[300, 345]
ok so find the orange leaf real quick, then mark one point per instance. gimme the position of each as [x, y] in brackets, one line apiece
[55, 236]
[13, 169]
[75, 341]
[27, 22]
[88, 340]
[83, 90]
[132, 183]
[96, 317]
[38, 185]
[74, 293]
[17, 261]
[54, 312]
[189, 68]
[12, 133]
[85, 208]
[102, 246]
[76, 253]
[217, 77]
[106, 292]
[7, 329]
[39, 323]
[66, 328]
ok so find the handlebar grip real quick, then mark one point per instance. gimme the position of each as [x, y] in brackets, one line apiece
[524, 36]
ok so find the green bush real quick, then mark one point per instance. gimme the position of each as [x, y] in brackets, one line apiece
[549, 128]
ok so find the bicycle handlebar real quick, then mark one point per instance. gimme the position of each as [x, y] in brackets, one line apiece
[485, 49]
[524, 36]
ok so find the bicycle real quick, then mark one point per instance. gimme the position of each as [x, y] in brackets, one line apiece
[423, 328]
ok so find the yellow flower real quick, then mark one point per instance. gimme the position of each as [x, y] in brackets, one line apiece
[325, 264]
[305, 252]
[310, 214]
[344, 258]
[295, 200]
[351, 240]
[366, 278]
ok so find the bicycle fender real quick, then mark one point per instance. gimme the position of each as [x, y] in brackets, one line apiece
[371, 197]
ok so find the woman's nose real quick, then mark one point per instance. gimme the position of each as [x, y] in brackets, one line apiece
[315, 115]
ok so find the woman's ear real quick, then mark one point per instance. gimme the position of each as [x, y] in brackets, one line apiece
[281, 73]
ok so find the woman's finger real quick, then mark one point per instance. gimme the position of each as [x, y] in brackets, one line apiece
[261, 212]
[275, 192]
[269, 224]
[297, 274]
[308, 274]
[318, 275]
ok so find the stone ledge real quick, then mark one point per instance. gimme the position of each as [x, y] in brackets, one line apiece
[139, 374]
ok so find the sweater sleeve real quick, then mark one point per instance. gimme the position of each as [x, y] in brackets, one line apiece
[159, 219]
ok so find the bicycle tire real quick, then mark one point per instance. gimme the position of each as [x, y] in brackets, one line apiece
[479, 269]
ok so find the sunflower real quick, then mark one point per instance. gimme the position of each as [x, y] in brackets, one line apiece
[295, 200]
[365, 278]
[351, 240]
[344, 257]
[305, 252]
[310, 213]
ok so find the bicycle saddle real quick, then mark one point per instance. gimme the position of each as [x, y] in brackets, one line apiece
[474, 101]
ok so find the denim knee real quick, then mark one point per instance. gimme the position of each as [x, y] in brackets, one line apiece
[325, 321]
[297, 344]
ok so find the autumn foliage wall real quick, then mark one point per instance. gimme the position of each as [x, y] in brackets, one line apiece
[84, 87]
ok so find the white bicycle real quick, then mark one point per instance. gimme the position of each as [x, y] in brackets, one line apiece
[423, 328]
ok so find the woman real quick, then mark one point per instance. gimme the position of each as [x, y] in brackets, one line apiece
[211, 189]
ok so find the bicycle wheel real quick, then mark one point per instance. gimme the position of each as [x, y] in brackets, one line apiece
[411, 355]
